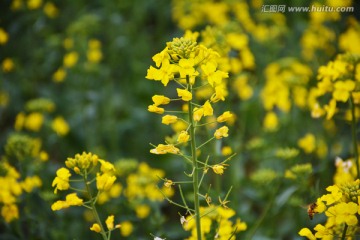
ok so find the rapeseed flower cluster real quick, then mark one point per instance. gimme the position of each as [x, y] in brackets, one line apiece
[11, 189]
[91, 171]
[215, 218]
[182, 61]
[286, 85]
[191, 67]
[36, 117]
[341, 206]
[337, 80]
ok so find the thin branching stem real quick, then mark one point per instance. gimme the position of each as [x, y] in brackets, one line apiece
[343, 237]
[195, 164]
[354, 138]
[93, 208]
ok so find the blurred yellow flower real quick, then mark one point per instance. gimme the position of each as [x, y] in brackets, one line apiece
[60, 126]
[94, 55]
[307, 143]
[16, 4]
[34, 121]
[142, 211]
[68, 43]
[70, 59]
[7, 64]
[226, 151]
[4, 37]
[10, 212]
[126, 228]
[43, 156]
[34, 4]
[271, 122]
[59, 75]
[51, 10]
[30, 183]
[4, 99]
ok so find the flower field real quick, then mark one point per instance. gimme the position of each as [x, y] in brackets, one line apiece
[183, 119]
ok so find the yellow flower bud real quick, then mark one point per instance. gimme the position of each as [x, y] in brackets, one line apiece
[96, 228]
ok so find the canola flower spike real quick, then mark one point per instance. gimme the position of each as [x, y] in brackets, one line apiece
[339, 80]
[90, 169]
[196, 69]
[341, 207]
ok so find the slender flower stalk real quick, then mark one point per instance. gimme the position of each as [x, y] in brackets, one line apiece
[195, 164]
[354, 138]
[93, 208]
[343, 237]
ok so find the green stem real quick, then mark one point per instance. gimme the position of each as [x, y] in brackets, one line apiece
[354, 138]
[195, 164]
[344, 232]
[93, 208]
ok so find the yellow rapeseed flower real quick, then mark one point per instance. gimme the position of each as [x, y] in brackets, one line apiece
[4, 37]
[95, 227]
[7, 65]
[10, 212]
[126, 228]
[184, 94]
[208, 110]
[155, 109]
[110, 222]
[104, 181]
[183, 137]
[218, 169]
[168, 119]
[307, 143]
[34, 4]
[60, 126]
[221, 132]
[34, 121]
[51, 10]
[70, 59]
[59, 75]
[160, 100]
[224, 117]
[19, 121]
[61, 181]
[164, 149]
[142, 211]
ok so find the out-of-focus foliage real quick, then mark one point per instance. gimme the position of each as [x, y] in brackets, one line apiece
[72, 79]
